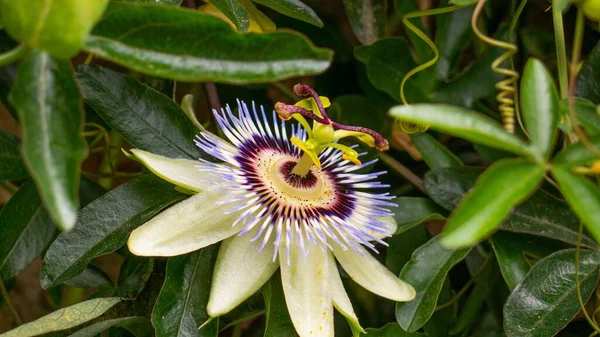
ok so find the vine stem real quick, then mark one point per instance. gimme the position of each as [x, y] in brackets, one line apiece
[9, 304]
[561, 50]
[577, 288]
[402, 170]
[464, 289]
[13, 55]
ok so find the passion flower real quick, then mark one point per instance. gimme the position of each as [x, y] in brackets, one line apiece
[297, 204]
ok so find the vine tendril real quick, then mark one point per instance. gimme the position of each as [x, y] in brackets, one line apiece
[506, 86]
[410, 127]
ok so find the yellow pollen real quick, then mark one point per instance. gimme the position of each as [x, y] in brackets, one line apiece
[352, 159]
[327, 192]
[319, 272]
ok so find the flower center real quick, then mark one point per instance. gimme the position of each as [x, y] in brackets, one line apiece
[314, 189]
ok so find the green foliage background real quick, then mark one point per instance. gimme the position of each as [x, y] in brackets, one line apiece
[498, 232]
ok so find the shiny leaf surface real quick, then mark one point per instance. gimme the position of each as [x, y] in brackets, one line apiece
[25, 231]
[154, 123]
[52, 145]
[463, 123]
[295, 9]
[103, 226]
[539, 106]
[11, 164]
[426, 272]
[542, 214]
[502, 186]
[181, 305]
[124, 37]
[545, 301]
[367, 19]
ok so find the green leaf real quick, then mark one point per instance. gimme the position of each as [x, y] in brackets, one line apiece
[367, 19]
[124, 37]
[422, 51]
[546, 301]
[587, 114]
[386, 73]
[293, 8]
[11, 164]
[434, 153]
[463, 2]
[505, 184]
[103, 225]
[401, 246]
[66, 318]
[134, 273]
[359, 110]
[462, 123]
[235, 12]
[153, 123]
[138, 326]
[471, 310]
[391, 330]
[181, 305]
[588, 83]
[412, 211]
[426, 272]
[541, 215]
[278, 319]
[452, 35]
[476, 81]
[175, 3]
[583, 195]
[91, 277]
[25, 231]
[514, 251]
[539, 106]
[53, 147]
[59, 27]
[577, 154]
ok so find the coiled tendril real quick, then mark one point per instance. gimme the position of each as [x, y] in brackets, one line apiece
[507, 86]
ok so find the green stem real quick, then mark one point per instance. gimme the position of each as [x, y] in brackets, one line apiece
[13, 55]
[561, 51]
[577, 289]
[402, 170]
[9, 304]
[466, 287]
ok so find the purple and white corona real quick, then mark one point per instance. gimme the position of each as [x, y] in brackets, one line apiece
[277, 200]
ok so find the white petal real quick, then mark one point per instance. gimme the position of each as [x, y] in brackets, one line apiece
[181, 172]
[239, 272]
[372, 275]
[391, 228]
[306, 286]
[340, 297]
[184, 227]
